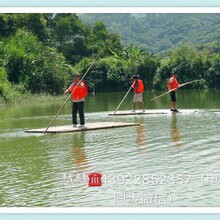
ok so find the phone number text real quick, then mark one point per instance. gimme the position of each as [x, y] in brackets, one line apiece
[147, 179]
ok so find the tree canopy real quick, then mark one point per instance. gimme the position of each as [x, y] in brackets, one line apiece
[40, 52]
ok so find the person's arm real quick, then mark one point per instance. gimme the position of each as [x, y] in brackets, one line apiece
[170, 83]
[68, 90]
[178, 85]
[134, 85]
[86, 89]
[82, 84]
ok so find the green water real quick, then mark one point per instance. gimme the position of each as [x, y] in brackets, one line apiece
[170, 160]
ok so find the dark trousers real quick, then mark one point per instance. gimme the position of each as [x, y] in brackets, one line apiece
[173, 96]
[75, 107]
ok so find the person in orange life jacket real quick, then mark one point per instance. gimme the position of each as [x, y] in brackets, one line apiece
[138, 87]
[173, 84]
[78, 100]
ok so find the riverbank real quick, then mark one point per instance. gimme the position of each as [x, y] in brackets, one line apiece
[28, 98]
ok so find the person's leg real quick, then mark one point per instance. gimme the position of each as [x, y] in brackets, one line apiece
[142, 105]
[81, 113]
[172, 105]
[140, 99]
[134, 102]
[74, 112]
[134, 106]
[173, 101]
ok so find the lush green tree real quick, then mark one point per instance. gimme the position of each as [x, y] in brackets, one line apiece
[7, 25]
[108, 73]
[212, 76]
[159, 32]
[40, 68]
[188, 63]
[130, 54]
[4, 84]
[147, 69]
[40, 52]
[100, 40]
[35, 23]
[70, 36]
[138, 62]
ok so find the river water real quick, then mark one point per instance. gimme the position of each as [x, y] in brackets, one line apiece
[169, 160]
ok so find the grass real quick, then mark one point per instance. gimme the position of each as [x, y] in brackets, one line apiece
[31, 98]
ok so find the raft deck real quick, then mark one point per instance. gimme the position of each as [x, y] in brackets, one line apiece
[90, 126]
[154, 111]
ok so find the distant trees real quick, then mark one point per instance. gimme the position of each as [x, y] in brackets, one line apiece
[101, 39]
[68, 35]
[159, 32]
[190, 64]
[4, 84]
[114, 73]
[40, 52]
[38, 67]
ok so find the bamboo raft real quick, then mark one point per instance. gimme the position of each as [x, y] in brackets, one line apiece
[153, 111]
[90, 126]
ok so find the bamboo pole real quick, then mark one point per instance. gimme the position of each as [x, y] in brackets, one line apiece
[122, 100]
[184, 84]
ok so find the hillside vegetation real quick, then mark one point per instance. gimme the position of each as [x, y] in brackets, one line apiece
[160, 32]
[40, 52]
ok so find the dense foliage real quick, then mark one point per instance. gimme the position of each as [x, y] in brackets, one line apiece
[160, 32]
[40, 52]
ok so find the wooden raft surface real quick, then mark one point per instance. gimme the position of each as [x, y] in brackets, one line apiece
[154, 111]
[90, 126]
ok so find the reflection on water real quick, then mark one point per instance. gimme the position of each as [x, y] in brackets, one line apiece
[141, 139]
[175, 133]
[79, 155]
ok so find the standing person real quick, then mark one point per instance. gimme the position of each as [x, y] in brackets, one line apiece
[79, 92]
[138, 87]
[173, 84]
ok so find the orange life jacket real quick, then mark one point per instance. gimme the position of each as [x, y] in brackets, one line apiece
[80, 91]
[138, 86]
[172, 83]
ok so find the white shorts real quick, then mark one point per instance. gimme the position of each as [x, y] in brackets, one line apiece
[138, 97]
